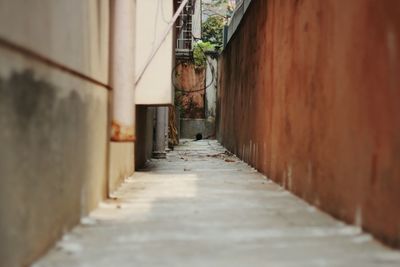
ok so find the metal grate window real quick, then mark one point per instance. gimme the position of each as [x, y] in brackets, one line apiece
[184, 27]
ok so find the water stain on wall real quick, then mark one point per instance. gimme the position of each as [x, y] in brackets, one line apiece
[43, 164]
[318, 91]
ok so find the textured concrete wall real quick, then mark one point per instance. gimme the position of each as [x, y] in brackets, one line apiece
[53, 156]
[309, 93]
[72, 32]
[121, 163]
[189, 128]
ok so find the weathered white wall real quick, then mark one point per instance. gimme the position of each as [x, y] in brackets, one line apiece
[67, 31]
[56, 160]
[122, 158]
[155, 86]
[211, 83]
[53, 156]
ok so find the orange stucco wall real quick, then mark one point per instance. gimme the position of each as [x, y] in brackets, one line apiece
[189, 86]
[309, 94]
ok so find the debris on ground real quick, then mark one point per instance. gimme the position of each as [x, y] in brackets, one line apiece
[226, 156]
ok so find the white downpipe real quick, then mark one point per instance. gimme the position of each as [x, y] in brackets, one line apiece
[122, 72]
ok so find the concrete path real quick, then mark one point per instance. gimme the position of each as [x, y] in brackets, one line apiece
[203, 207]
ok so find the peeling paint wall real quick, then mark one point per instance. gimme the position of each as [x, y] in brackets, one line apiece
[309, 94]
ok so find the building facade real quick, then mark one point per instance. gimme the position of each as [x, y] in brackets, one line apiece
[68, 90]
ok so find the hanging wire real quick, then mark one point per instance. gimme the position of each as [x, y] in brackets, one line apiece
[193, 88]
[173, 74]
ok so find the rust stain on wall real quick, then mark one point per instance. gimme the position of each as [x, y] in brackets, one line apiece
[309, 94]
[122, 133]
[190, 83]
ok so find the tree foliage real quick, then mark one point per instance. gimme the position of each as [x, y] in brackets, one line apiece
[213, 29]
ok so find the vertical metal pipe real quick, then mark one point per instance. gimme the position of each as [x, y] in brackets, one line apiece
[159, 145]
[166, 128]
[122, 72]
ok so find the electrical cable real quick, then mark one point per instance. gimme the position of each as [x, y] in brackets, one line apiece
[173, 74]
[192, 89]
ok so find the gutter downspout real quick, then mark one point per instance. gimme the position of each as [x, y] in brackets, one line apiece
[161, 133]
[122, 71]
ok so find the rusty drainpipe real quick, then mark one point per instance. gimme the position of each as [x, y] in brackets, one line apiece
[122, 72]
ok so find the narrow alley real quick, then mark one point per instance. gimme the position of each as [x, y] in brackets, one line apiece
[202, 206]
[199, 133]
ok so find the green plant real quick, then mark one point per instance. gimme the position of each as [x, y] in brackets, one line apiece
[198, 52]
[212, 30]
[179, 100]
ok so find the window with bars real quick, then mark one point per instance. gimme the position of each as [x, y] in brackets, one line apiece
[184, 27]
